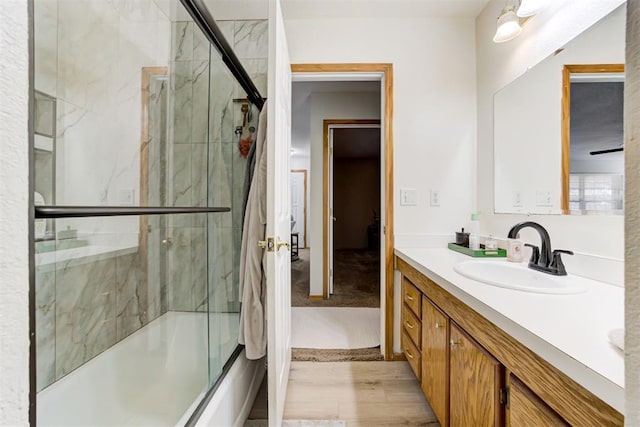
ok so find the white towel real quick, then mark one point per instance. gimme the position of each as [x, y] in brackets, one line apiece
[253, 324]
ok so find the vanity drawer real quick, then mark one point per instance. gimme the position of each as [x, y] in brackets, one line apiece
[412, 325]
[412, 353]
[411, 297]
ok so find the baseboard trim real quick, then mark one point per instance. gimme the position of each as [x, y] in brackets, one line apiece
[316, 297]
[398, 357]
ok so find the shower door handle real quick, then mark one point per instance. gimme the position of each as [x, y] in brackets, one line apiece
[167, 242]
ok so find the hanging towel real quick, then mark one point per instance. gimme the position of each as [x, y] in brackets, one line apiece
[253, 322]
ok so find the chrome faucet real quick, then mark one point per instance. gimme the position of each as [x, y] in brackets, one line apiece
[544, 260]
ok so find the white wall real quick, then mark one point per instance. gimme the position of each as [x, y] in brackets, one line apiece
[434, 106]
[499, 64]
[327, 105]
[14, 208]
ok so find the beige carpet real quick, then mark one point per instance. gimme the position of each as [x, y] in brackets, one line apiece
[298, 423]
[356, 280]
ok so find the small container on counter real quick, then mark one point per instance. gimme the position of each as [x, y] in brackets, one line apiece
[514, 250]
[462, 238]
[491, 243]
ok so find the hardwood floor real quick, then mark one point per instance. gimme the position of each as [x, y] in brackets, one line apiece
[360, 393]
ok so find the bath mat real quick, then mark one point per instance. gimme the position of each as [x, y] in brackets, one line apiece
[298, 423]
[335, 327]
[324, 355]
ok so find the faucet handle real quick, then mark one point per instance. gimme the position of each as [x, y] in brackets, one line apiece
[535, 253]
[556, 263]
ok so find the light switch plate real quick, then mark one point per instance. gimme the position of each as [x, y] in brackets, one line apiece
[408, 197]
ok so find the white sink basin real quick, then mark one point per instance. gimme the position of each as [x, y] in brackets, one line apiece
[518, 276]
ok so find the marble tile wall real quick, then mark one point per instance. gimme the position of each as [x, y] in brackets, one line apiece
[227, 165]
[207, 165]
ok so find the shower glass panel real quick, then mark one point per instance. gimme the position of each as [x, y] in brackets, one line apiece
[137, 315]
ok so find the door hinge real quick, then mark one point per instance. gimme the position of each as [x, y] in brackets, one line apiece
[504, 396]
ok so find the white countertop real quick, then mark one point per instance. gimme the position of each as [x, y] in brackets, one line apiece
[568, 331]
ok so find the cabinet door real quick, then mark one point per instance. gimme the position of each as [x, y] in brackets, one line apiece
[475, 382]
[527, 409]
[435, 359]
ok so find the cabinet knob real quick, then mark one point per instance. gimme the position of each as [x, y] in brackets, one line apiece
[453, 343]
[409, 324]
[408, 353]
[409, 297]
[438, 325]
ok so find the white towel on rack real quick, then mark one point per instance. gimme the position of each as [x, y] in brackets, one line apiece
[253, 322]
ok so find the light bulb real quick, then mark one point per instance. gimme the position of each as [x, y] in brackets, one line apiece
[508, 26]
[531, 7]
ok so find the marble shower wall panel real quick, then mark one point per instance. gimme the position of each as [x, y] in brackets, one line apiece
[46, 326]
[132, 296]
[45, 18]
[222, 288]
[85, 313]
[180, 282]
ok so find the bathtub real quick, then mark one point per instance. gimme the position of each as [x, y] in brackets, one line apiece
[155, 377]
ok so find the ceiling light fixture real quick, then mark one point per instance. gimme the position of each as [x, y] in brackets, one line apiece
[531, 7]
[510, 24]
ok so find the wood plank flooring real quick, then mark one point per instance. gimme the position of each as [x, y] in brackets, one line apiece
[359, 393]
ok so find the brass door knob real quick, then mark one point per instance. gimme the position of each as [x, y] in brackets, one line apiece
[282, 243]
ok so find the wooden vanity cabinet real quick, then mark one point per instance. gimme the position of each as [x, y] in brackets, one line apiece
[461, 360]
[476, 379]
[525, 408]
[435, 359]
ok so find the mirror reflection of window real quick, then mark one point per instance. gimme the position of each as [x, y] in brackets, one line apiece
[593, 158]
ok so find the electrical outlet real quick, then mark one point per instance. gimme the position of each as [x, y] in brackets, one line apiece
[408, 197]
[434, 198]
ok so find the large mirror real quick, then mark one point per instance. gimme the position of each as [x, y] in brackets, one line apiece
[572, 99]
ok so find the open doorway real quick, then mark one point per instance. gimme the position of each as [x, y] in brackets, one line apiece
[346, 92]
[353, 193]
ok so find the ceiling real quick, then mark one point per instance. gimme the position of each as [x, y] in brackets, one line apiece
[313, 9]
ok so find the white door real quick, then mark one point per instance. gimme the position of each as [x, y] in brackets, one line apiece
[331, 217]
[299, 205]
[278, 216]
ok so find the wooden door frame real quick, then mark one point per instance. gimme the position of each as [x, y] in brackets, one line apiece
[304, 173]
[567, 70]
[386, 70]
